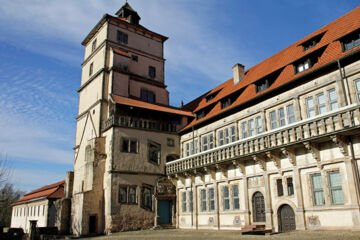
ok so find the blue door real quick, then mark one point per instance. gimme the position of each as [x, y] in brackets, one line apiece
[164, 211]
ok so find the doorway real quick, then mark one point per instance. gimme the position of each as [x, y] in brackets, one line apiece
[92, 224]
[286, 218]
[164, 211]
[258, 207]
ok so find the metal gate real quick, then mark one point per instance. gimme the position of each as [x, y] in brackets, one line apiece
[258, 207]
[286, 218]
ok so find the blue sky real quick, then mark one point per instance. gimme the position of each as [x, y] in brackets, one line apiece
[40, 57]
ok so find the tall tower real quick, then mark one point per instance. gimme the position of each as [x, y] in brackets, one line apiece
[125, 129]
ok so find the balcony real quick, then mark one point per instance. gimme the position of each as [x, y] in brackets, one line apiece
[330, 124]
[139, 123]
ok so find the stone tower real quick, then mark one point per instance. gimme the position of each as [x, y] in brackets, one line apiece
[125, 129]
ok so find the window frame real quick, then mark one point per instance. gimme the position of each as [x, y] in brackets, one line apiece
[332, 101]
[91, 69]
[226, 198]
[93, 45]
[315, 190]
[129, 141]
[258, 120]
[203, 207]
[357, 88]
[148, 207]
[290, 114]
[127, 189]
[235, 197]
[158, 146]
[273, 122]
[279, 187]
[310, 109]
[122, 37]
[183, 202]
[290, 185]
[211, 192]
[335, 188]
[152, 72]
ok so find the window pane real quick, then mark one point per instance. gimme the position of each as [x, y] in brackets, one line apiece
[122, 195]
[290, 186]
[133, 146]
[244, 129]
[196, 146]
[259, 125]
[290, 113]
[317, 188]
[337, 196]
[236, 202]
[279, 186]
[221, 137]
[321, 103]
[187, 149]
[319, 198]
[251, 127]
[203, 200]
[184, 201]
[125, 145]
[357, 84]
[233, 134]
[211, 141]
[282, 117]
[191, 201]
[204, 143]
[310, 107]
[212, 199]
[132, 195]
[226, 198]
[227, 136]
[273, 120]
[333, 99]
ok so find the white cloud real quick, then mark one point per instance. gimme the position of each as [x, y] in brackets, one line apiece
[30, 179]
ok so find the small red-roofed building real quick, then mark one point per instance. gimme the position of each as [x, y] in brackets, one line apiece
[37, 205]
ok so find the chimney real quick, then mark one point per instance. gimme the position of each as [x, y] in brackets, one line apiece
[239, 72]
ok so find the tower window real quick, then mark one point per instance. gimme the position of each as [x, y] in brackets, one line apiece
[91, 69]
[147, 96]
[134, 58]
[93, 47]
[152, 71]
[122, 37]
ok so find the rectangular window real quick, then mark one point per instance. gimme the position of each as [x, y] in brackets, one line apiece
[123, 195]
[357, 87]
[183, 201]
[187, 149]
[211, 199]
[204, 143]
[302, 66]
[244, 130]
[122, 37]
[91, 69]
[132, 195]
[93, 47]
[221, 137]
[211, 141]
[351, 41]
[333, 99]
[233, 134]
[191, 197]
[259, 125]
[196, 146]
[279, 186]
[134, 58]
[282, 120]
[147, 96]
[226, 198]
[290, 186]
[146, 198]
[154, 152]
[236, 200]
[290, 113]
[227, 135]
[251, 127]
[273, 123]
[152, 72]
[321, 103]
[203, 200]
[310, 107]
[335, 188]
[317, 189]
[129, 145]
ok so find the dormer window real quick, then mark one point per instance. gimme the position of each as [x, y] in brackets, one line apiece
[300, 67]
[211, 96]
[226, 102]
[312, 42]
[200, 115]
[262, 85]
[351, 40]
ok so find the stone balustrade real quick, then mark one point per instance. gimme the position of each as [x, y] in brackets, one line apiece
[329, 124]
[140, 123]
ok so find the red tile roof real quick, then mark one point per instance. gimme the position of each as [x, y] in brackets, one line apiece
[151, 106]
[55, 190]
[281, 60]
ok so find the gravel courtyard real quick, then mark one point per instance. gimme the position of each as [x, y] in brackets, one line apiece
[169, 234]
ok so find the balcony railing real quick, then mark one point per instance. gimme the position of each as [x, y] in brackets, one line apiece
[319, 126]
[139, 123]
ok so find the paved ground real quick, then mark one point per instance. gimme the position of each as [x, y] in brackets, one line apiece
[176, 234]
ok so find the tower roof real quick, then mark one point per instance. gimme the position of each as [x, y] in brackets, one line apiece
[126, 11]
